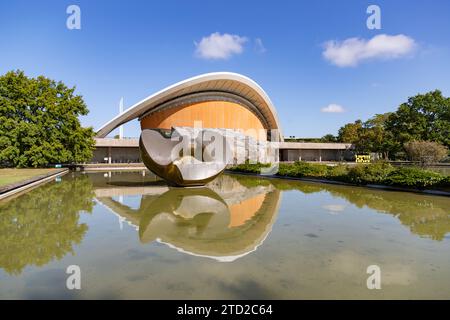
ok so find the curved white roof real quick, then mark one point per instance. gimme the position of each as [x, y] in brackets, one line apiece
[217, 81]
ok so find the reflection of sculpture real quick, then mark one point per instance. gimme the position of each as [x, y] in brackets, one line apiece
[233, 214]
[223, 222]
[182, 162]
[42, 225]
[183, 211]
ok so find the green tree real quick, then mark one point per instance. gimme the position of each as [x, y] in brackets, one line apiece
[359, 135]
[350, 133]
[373, 136]
[423, 117]
[39, 122]
[329, 138]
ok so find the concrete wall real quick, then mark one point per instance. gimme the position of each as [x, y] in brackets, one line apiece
[312, 155]
[132, 155]
[99, 154]
[127, 151]
[315, 145]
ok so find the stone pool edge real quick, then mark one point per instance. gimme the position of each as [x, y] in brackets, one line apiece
[30, 183]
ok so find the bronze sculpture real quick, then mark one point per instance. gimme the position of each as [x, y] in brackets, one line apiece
[185, 156]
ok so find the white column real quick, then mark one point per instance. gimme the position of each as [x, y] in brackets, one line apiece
[120, 112]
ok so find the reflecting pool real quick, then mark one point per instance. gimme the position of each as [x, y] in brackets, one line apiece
[239, 237]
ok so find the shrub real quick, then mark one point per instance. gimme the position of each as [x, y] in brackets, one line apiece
[414, 177]
[338, 172]
[310, 170]
[426, 152]
[250, 167]
[379, 173]
[286, 170]
[303, 169]
[369, 173]
[445, 182]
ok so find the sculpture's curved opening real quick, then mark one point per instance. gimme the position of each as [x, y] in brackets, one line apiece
[186, 157]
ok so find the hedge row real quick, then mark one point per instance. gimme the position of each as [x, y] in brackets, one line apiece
[361, 174]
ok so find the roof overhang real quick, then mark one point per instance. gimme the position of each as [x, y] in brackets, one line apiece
[226, 82]
[315, 145]
[111, 142]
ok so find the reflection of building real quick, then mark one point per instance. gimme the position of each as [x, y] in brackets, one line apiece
[223, 221]
[219, 100]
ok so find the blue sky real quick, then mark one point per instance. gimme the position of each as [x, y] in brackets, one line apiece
[134, 48]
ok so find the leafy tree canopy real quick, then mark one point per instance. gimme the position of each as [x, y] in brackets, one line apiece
[424, 117]
[39, 122]
[350, 133]
[329, 138]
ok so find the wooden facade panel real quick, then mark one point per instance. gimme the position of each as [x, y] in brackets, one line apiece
[212, 114]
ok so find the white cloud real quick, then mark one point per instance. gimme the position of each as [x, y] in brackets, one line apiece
[333, 108]
[259, 46]
[334, 208]
[220, 46]
[352, 51]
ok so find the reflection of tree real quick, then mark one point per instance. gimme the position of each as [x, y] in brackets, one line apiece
[251, 181]
[286, 185]
[42, 225]
[427, 216]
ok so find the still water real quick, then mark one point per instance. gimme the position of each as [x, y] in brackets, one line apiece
[239, 237]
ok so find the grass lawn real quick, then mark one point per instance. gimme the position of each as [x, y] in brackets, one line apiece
[9, 176]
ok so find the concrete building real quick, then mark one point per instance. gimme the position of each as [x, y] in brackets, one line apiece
[311, 151]
[109, 150]
[220, 100]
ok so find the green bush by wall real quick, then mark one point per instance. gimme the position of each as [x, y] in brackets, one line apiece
[361, 174]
